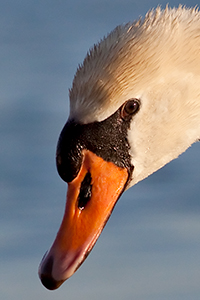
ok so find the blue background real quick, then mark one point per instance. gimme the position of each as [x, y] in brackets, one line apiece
[150, 248]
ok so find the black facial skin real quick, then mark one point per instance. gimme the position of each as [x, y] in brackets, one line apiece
[107, 139]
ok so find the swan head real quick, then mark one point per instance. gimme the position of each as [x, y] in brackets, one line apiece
[134, 106]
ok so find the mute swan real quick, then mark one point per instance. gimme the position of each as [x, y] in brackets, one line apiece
[134, 106]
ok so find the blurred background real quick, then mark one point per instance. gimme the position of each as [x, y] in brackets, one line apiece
[150, 248]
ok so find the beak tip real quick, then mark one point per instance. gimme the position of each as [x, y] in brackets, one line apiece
[45, 273]
[49, 282]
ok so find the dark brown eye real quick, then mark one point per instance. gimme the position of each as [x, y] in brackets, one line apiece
[130, 108]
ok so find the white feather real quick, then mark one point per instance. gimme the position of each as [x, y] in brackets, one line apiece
[157, 60]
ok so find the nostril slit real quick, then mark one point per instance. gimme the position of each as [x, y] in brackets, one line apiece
[85, 191]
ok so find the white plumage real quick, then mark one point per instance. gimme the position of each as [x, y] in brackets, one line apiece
[158, 61]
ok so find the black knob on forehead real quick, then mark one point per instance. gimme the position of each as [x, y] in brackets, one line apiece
[68, 154]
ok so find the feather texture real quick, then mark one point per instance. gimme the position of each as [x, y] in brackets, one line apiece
[155, 59]
[132, 57]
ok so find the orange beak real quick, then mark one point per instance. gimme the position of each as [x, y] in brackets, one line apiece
[91, 198]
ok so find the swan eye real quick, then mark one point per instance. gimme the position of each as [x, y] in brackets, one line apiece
[130, 108]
